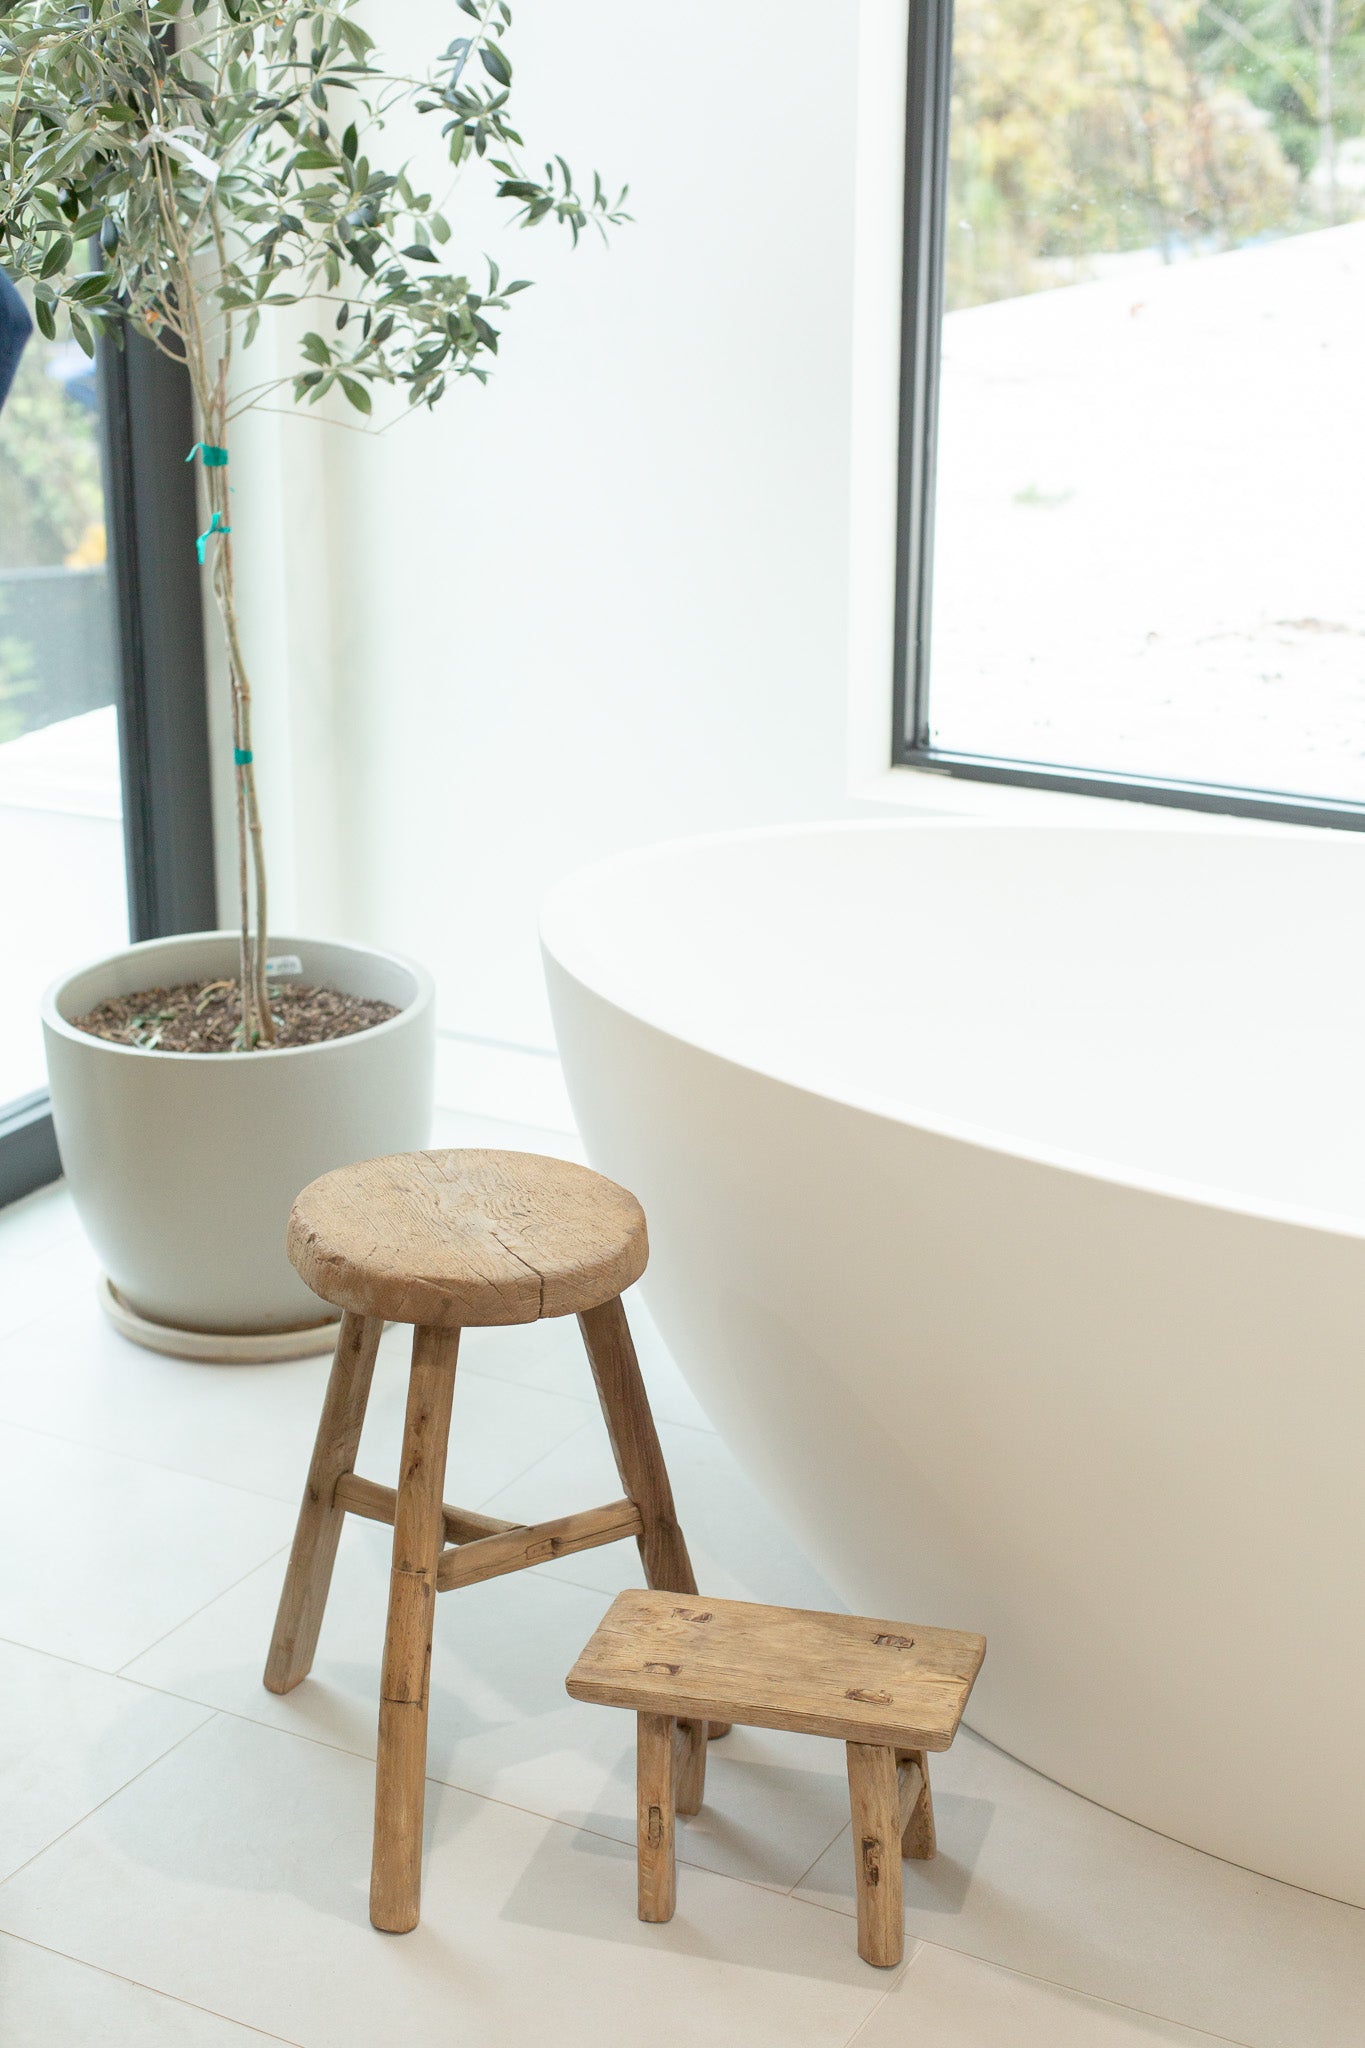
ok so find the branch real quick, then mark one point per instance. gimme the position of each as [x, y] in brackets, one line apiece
[1231, 26]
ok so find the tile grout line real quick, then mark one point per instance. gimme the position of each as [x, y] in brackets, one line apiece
[902, 1973]
[96, 1670]
[553, 1451]
[920, 1942]
[210, 1713]
[1143, 2012]
[591, 1414]
[53, 1436]
[203, 1606]
[137, 1983]
[823, 1853]
[574, 1827]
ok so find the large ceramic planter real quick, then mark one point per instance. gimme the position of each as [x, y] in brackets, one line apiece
[183, 1166]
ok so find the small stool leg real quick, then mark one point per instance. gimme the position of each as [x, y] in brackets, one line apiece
[917, 1806]
[418, 1534]
[654, 1783]
[689, 1767]
[635, 1446]
[874, 1796]
[304, 1594]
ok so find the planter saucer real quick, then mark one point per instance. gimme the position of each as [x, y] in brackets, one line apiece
[215, 1347]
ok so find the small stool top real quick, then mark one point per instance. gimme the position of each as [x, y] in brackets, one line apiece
[878, 1682]
[455, 1240]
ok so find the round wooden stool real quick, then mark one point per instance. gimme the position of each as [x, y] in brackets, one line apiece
[446, 1241]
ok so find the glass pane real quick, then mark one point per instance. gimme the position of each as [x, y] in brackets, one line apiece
[1152, 434]
[61, 827]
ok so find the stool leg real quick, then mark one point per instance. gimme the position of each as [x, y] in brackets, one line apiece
[418, 1534]
[635, 1446]
[639, 1459]
[654, 1788]
[917, 1836]
[635, 1443]
[304, 1594]
[874, 1797]
[689, 1768]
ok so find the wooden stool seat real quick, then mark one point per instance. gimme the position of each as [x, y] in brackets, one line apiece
[467, 1239]
[445, 1240]
[890, 1692]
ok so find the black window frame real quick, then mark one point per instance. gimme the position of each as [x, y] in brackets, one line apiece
[146, 419]
[928, 100]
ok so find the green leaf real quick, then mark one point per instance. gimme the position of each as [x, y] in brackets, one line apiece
[314, 160]
[419, 253]
[350, 143]
[495, 64]
[47, 324]
[356, 392]
[357, 41]
[57, 257]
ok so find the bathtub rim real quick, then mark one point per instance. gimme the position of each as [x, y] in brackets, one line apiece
[568, 898]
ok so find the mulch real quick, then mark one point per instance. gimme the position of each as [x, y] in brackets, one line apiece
[205, 1016]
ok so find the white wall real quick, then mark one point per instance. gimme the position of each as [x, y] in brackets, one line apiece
[605, 600]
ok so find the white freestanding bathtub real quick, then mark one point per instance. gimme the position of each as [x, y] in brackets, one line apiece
[1006, 1190]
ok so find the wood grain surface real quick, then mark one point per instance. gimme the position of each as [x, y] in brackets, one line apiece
[876, 1682]
[467, 1238]
[418, 1533]
[304, 1595]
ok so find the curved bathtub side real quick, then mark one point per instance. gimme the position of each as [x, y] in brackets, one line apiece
[1116, 1431]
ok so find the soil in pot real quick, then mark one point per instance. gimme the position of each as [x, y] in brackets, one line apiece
[205, 1016]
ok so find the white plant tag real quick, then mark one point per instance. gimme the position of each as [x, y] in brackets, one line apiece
[281, 965]
[174, 140]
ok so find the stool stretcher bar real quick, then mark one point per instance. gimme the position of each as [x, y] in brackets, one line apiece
[482, 1547]
[366, 1497]
[515, 1549]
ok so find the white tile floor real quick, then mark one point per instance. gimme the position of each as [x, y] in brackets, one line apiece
[184, 1856]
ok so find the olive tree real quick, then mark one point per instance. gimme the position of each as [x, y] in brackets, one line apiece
[212, 159]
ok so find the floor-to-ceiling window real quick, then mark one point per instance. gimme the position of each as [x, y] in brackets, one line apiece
[105, 830]
[61, 802]
[1134, 422]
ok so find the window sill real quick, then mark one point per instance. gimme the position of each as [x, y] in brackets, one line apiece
[932, 792]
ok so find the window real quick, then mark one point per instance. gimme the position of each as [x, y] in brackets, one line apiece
[105, 831]
[1133, 432]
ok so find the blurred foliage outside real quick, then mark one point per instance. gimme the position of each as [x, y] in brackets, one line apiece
[1095, 129]
[51, 501]
[51, 506]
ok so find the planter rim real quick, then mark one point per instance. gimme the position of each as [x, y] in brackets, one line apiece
[54, 1020]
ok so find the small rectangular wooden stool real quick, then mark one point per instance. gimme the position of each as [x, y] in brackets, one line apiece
[890, 1692]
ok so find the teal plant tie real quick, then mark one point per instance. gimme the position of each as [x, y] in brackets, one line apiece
[241, 757]
[216, 525]
[214, 458]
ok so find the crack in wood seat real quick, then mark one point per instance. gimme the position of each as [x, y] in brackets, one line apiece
[891, 1692]
[445, 1240]
[467, 1239]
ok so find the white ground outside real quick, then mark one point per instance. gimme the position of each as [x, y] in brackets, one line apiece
[1149, 535]
[61, 854]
